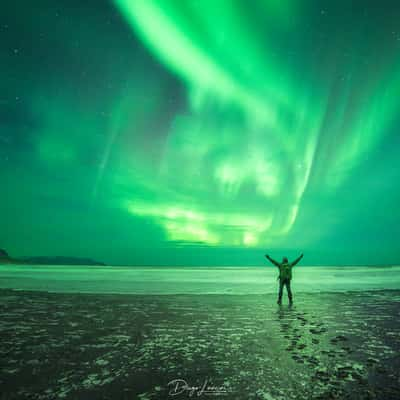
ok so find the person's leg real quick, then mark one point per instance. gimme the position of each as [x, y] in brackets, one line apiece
[280, 291]
[289, 291]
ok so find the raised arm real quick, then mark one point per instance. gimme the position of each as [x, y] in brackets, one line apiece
[293, 263]
[272, 260]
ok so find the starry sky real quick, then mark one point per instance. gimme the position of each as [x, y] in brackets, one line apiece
[201, 132]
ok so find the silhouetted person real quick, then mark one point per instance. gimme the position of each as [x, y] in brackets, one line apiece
[285, 276]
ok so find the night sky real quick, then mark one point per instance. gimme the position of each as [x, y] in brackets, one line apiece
[201, 132]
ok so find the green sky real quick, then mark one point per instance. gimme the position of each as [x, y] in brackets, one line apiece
[201, 132]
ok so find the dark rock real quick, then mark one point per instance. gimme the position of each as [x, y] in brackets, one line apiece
[3, 254]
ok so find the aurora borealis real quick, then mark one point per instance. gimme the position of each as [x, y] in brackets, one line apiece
[201, 132]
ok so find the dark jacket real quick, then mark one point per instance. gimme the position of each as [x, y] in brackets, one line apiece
[285, 268]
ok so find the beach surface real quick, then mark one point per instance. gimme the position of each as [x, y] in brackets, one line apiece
[329, 345]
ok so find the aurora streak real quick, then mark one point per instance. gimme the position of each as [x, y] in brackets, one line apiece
[252, 127]
[201, 132]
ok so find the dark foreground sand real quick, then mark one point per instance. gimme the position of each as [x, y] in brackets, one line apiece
[90, 346]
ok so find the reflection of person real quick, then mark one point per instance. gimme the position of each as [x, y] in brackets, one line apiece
[285, 276]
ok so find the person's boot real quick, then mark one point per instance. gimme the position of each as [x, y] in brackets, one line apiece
[279, 302]
[290, 301]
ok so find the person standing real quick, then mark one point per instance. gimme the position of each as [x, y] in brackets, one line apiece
[285, 275]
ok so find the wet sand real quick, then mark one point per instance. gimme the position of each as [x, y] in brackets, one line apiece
[110, 346]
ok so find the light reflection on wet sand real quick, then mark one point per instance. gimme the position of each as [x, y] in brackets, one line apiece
[80, 346]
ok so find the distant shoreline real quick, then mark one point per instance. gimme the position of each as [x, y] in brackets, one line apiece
[5, 258]
[16, 262]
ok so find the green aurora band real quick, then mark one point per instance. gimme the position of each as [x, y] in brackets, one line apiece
[201, 132]
[235, 168]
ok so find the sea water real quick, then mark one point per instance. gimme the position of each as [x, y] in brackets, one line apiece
[193, 280]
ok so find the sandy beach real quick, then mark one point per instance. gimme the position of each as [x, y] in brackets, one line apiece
[123, 346]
